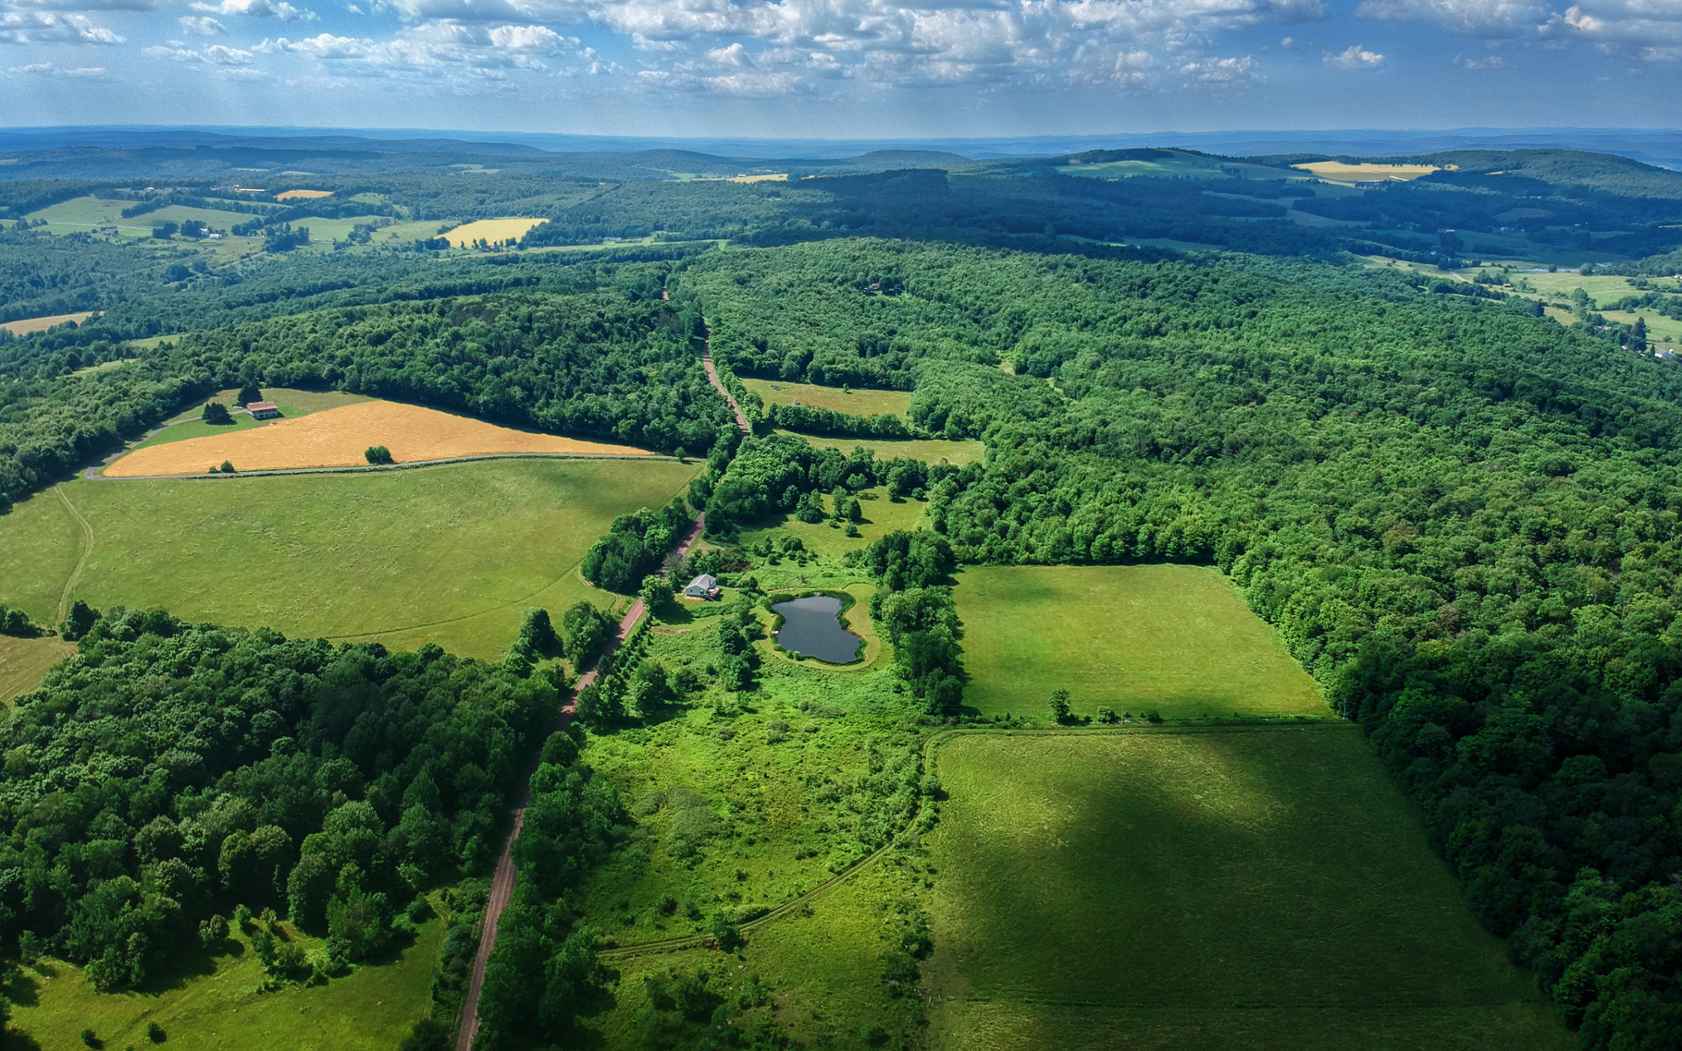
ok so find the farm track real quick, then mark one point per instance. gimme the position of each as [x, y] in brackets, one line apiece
[81, 562]
[502, 880]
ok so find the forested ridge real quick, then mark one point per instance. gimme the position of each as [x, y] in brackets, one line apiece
[1462, 519]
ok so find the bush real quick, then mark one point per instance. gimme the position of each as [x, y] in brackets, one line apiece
[378, 454]
[1108, 716]
[216, 413]
[155, 1033]
[227, 467]
[90, 1039]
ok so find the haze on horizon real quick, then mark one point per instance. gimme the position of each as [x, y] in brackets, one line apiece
[842, 68]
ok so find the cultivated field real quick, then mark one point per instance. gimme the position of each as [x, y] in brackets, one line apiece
[339, 437]
[1173, 639]
[302, 195]
[451, 554]
[855, 401]
[1341, 171]
[491, 231]
[189, 423]
[929, 450]
[41, 324]
[24, 661]
[1237, 887]
[216, 1004]
[754, 177]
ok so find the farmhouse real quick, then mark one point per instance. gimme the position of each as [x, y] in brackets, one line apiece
[263, 410]
[704, 586]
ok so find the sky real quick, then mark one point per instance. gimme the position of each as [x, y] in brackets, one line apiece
[843, 68]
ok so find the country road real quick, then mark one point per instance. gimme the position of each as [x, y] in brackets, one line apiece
[502, 880]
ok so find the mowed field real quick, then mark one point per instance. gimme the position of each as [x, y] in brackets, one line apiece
[87, 213]
[1178, 640]
[24, 661]
[340, 437]
[492, 231]
[1241, 887]
[25, 326]
[929, 450]
[302, 195]
[1341, 171]
[855, 401]
[452, 554]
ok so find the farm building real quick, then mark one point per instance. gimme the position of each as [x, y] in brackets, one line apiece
[704, 586]
[263, 410]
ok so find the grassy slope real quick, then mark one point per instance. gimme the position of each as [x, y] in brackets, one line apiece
[219, 1008]
[881, 516]
[1176, 639]
[292, 403]
[23, 663]
[451, 554]
[929, 450]
[858, 402]
[1253, 887]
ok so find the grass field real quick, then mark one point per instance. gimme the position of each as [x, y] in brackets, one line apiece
[881, 516]
[1245, 887]
[24, 661]
[1341, 171]
[339, 437]
[417, 230]
[219, 1007]
[26, 326]
[1174, 639]
[451, 554]
[493, 231]
[856, 401]
[293, 403]
[330, 231]
[80, 214]
[1176, 164]
[929, 450]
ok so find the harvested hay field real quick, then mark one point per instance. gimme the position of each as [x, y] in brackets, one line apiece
[340, 438]
[491, 231]
[1342, 171]
[302, 195]
[24, 662]
[753, 177]
[41, 324]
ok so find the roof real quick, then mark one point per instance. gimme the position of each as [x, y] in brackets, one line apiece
[262, 406]
[705, 580]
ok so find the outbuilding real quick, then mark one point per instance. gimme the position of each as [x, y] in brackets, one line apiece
[263, 410]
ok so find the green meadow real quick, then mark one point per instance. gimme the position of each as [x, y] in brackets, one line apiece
[1177, 640]
[81, 214]
[881, 516]
[1211, 887]
[929, 450]
[452, 554]
[853, 401]
[292, 403]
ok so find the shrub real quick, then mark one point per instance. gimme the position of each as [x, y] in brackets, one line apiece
[91, 1039]
[1108, 716]
[378, 454]
[216, 413]
[155, 1033]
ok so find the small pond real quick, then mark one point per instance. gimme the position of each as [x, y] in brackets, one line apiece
[812, 628]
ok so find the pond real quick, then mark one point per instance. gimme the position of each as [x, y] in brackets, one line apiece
[812, 628]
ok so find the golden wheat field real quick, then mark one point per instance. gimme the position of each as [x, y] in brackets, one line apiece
[302, 195]
[491, 231]
[340, 438]
[1341, 171]
[761, 177]
[41, 324]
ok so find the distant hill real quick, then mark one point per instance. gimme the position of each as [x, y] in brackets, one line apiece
[1573, 168]
[908, 159]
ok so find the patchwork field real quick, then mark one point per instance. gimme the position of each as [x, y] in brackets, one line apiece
[26, 326]
[450, 554]
[929, 450]
[217, 1005]
[24, 661]
[1246, 887]
[1178, 640]
[339, 437]
[293, 403]
[856, 401]
[1341, 171]
[491, 231]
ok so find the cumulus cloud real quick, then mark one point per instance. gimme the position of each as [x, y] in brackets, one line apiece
[1354, 57]
[79, 5]
[201, 25]
[49, 27]
[1235, 70]
[1476, 17]
[279, 10]
[50, 69]
[1480, 63]
[1648, 25]
[444, 55]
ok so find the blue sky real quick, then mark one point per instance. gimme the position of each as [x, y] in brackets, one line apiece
[843, 68]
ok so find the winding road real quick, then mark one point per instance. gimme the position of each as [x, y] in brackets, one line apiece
[502, 880]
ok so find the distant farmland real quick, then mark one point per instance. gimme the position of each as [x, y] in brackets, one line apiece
[41, 324]
[302, 195]
[491, 231]
[1240, 887]
[1342, 171]
[855, 401]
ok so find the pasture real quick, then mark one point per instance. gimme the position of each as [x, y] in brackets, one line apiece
[928, 450]
[292, 403]
[452, 554]
[1232, 887]
[1343, 171]
[23, 663]
[491, 231]
[881, 516]
[339, 437]
[854, 401]
[215, 1005]
[1177, 640]
[26, 326]
[330, 231]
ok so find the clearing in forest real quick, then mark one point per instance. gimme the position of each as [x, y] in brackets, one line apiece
[753, 177]
[1343, 171]
[28, 325]
[302, 195]
[491, 231]
[1212, 887]
[1178, 640]
[293, 403]
[928, 450]
[23, 662]
[340, 438]
[855, 401]
[453, 554]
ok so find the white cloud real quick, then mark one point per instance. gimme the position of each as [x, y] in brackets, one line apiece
[1647, 25]
[201, 25]
[79, 5]
[47, 27]
[1476, 17]
[1235, 70]
[1354, 57]
[529, 38]
[1480, 63]
[279, 10]
[212, 55]
[49, 69]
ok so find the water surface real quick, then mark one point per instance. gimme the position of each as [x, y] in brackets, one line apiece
[812, 628]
